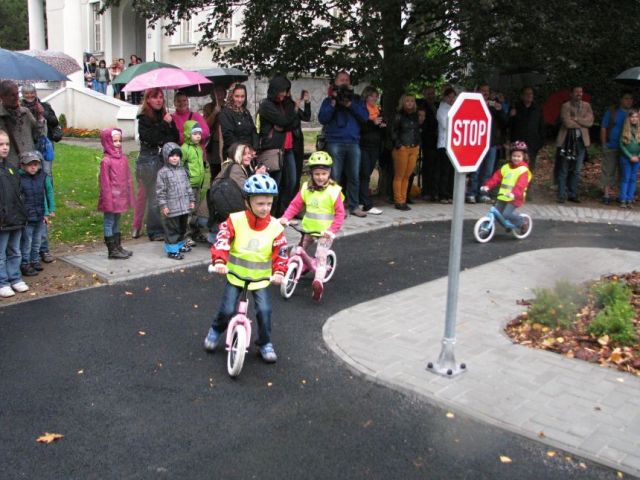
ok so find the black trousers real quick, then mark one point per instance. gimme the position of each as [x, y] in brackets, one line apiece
[175, 229]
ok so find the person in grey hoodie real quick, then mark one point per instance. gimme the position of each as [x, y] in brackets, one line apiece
[175, 200]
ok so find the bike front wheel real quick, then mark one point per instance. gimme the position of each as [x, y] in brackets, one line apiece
[519, 233]
[289, 283]
[484, 229]
[332, 262]
[237, 350]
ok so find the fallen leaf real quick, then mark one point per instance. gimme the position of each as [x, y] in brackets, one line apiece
[583, 465]
[505, 459]
[80, 372]
[367, 424]
[49, 437]
[146, 289]
[616, 356]
[450, 415]
[541, 434]
[620, 475]
[195, 305]
[603, 340]
[141, 333]
[269, 384]
[128, 293]
[551, 454]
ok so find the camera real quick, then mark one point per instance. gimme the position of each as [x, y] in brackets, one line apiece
[343, 93]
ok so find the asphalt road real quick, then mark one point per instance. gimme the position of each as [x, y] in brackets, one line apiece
[121, 372]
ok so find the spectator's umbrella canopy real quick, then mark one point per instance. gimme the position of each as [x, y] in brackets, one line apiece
[629, 77]
[168, 78]
[59, 60]
[218, 76]
[20, 67]
[135, 70]
[553, 105]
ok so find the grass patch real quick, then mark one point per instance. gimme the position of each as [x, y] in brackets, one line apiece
[75, 177]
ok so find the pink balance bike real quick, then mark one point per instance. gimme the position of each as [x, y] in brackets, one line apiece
[239, 328]
[301, 263]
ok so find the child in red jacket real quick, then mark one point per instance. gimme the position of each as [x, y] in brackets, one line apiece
[514, 178]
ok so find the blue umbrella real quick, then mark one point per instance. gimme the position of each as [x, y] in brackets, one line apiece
[17, 66]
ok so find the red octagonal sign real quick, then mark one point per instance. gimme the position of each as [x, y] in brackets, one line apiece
[468, 132]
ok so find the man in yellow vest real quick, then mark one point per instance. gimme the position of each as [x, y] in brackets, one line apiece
[252, 244]
[514, 178]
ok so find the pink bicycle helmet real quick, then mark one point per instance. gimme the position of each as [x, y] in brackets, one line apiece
[519, 146]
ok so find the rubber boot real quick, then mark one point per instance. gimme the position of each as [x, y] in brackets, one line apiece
[112, 247]
[118, 239]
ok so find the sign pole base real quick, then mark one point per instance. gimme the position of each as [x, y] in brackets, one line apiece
[446, 364]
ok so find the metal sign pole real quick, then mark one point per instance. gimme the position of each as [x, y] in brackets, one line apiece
[446, 363]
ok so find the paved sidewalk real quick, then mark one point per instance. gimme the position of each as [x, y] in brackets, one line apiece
[149, 258]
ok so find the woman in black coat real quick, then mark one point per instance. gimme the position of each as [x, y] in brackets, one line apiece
[236, 123]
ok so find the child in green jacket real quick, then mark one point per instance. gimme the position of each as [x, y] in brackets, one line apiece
[193, 162]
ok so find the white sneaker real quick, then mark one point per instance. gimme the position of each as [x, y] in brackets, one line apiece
[20, 287]
[374, 211]
[6, 292]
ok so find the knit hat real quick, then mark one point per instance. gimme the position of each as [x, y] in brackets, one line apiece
[196, 128]
[31, 156]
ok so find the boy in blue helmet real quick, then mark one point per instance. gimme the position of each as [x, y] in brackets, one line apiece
[252, 244]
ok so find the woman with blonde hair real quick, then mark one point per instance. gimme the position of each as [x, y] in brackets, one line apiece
[630, 158]
[405, 138]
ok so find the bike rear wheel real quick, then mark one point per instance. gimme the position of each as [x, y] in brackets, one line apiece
[237, 351]
[484, 229]
[289, 283]
[332, 262]
[521, 234]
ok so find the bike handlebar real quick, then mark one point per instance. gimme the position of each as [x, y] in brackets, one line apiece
[303, 231]
[240, 277]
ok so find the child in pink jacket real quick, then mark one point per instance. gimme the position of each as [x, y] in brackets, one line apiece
[116, 190]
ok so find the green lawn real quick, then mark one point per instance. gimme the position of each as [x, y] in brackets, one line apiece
[75, 176]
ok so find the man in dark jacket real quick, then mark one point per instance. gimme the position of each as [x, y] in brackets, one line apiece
[17, 121]
[429, 144]
[526, 123]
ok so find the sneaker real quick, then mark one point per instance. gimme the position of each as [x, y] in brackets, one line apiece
[135, 233]
[402, 206]
[318, 288]
[485, 199]
[471, 199]
[358, 213]
[212, 340]
[46, 257]
[175, 255]
[6, 292]
[575, 199]
[28, 270]
[37, 266]
[200, 238]
[443, 201]
[374, 211]
[525, 226]
[20, 287]
[186, 248]
[189, 243]
[624, 204]
[268, 354]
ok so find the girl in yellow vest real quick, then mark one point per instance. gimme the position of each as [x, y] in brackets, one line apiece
[321, 198]
[514, 178]
[252, 244]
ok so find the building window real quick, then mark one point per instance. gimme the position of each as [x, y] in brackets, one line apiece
[226, 32]
[185, 32]
[96, 27]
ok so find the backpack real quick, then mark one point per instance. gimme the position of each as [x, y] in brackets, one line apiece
[224, 198]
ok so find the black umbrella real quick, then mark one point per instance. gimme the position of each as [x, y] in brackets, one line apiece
[219, 76]
[629, 77]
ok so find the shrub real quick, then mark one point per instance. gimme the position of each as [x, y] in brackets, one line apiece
[63, 121]
[557, 306]
[610, 292]
[616, 321]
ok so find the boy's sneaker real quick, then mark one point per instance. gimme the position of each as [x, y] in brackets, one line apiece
[46, 257]
[189, 243]
[20, 287]
[37, 266]
[374, 211]
[485, 199]
[318, 288]
[28, 270]
[471, 199]
[175, 256]
[6, 292]
[268, 354]
[185, 249]
[211, 340]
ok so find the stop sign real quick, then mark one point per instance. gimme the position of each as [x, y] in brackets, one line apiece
[468, 132]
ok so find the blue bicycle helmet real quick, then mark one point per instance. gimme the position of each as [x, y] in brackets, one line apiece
[260, 184]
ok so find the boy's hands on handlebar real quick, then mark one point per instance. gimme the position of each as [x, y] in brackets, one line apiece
[329, 234]
[277, 279]
[509, 195]
[219, 268]
[484, 189]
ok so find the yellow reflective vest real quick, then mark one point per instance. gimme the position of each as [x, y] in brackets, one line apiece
[319, 206]
[510, 179]
[251, 251]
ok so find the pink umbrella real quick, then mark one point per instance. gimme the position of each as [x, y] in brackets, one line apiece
[168, 78]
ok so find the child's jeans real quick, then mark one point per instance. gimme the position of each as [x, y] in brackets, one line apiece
[30, 242]
[10, 257]
[628, 179]
[111, 224]
[228, 310]
[324, 245]
[510, 212]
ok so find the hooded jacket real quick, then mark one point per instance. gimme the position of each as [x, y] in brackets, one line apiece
[13, 214]
[24, 128]
[116, 185]
[173, 189]
[192, 156]
[277, 118]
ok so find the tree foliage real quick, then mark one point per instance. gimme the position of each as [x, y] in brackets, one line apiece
[14, 32]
